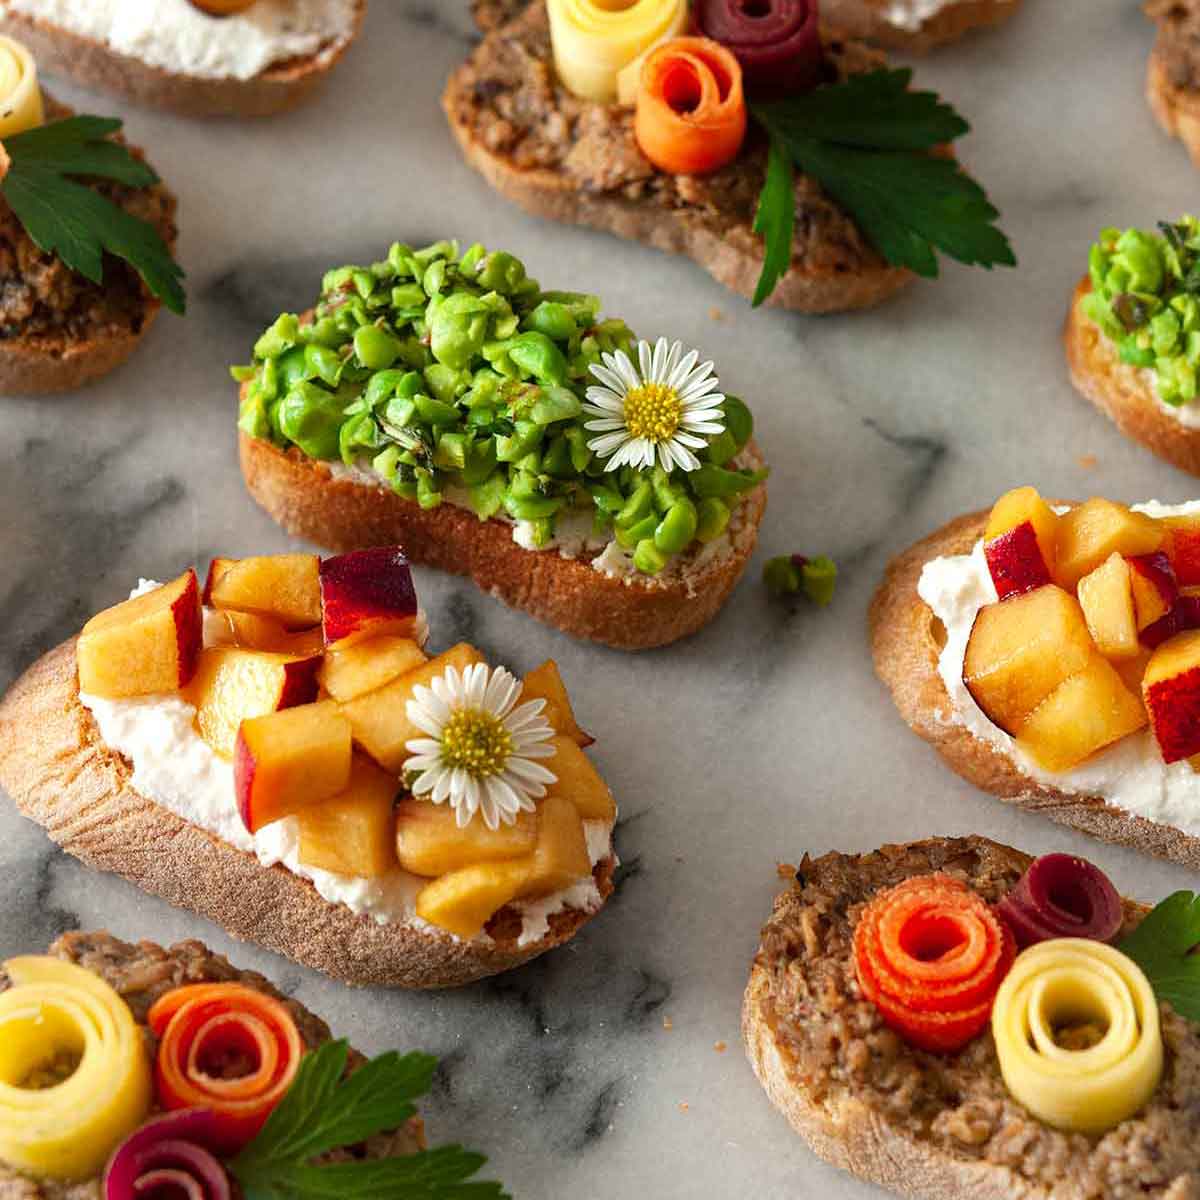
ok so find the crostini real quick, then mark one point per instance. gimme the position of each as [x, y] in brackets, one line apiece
[87, 233]
[291, 764]
[1173, 70]
[915, 26]
[634, 119]
[133, 1070]
[1051, 654]
[1132, 337]
[197, 58]
[954, 1018]
[499, 431]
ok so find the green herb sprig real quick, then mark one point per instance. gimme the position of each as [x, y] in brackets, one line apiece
[324, 1111]
[868, 142]
[73, 221]
[1162, 946]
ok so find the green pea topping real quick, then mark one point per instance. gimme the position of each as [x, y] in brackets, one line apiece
[455, 377]
[815, 578]
[1145, 297]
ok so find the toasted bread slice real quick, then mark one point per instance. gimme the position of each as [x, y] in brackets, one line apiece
[906, 642]
[867, 19]
[140, 974]
[1176, 108]
[632, 612]
[60, 359]
[60, 51]
[60, 773]
[1124, 392]
[924, 1125]
[833, 267]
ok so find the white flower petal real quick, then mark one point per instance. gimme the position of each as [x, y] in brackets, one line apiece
[607, 443]
[612, 381]
[604, 424]
[529, 771]
[441, 789]
[682, 369]
[688, 439]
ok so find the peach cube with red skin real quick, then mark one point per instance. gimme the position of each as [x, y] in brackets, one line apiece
[352, 833]
[232, 684]
[1088, 534]
[1106, 597]
[1021, 649]
[1183, 545]
[288, 760]
[1020, 542]
[283, 586]
[1155, 591]
[367, 593]
[1171, 689]
[216, 568]
[143, 646]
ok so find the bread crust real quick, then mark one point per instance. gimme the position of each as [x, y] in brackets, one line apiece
[1175, 108]
[305, 498]
[1119, 391]
[92, 64]
[864, 19]
[733, 257]
[905, 650]
[60, 773]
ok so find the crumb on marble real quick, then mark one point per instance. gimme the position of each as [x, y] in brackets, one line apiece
[785, 870]
[1087, 461]
[715, 314]
[720, 1047]
[668, 1024]
[683, 1106]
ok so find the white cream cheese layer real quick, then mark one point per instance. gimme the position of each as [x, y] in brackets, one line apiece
[574, 534]
[175, 767]
[178, 37]
[1130, 775]
[1188, 415]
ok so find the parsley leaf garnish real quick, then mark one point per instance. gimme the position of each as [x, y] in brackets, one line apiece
[73, 221]
[324, 1111]
[776, 220]
[867, 141]
[1162, 946]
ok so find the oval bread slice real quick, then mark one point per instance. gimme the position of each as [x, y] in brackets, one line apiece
[905, 644]
[732, 256]
[1119, 390]
[822, 1060]
[60, 774]
[627, 612]
[92, 64]
[1176, 109]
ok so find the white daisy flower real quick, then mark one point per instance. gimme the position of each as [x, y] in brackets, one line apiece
[665, 407]
[479, 755]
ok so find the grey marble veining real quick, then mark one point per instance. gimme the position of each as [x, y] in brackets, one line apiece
[597, 1071]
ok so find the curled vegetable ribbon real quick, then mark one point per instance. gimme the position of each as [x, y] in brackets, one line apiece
[691, 113]
[1091, 989]
[207, 1026]
[58, 1014]
[930, 955]
[21, 105]
[599, 45]
[169, 1156]
[778, 42]
[1062, 896]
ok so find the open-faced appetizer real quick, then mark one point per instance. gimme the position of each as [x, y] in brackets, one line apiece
[953, 1018]
[199, 58]
[130, 1072]
[1132, 336]
[636, 119]
[278, 753]
[493, 429]
[1173, 70]
[1051, 655]
[86, 237]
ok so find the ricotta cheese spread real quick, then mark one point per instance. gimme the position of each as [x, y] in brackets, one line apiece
[175, 767]
[179, 37]
[1130, 775]
[1188, 415]
[574, 533]
[910, 15]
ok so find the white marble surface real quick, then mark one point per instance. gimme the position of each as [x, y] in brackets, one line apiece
[598, 1070]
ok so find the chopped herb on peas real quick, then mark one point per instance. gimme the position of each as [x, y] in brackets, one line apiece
[442, 371]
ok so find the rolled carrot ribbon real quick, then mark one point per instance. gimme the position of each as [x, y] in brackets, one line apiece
[930, 955]
[691, 113]
[1077, 1034]
[595, 41]
[74, 1072]
[778, 42]
[203, 1027]
[21, 103]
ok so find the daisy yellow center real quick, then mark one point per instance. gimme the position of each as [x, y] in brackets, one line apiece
[476, 741]
[653, 412]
